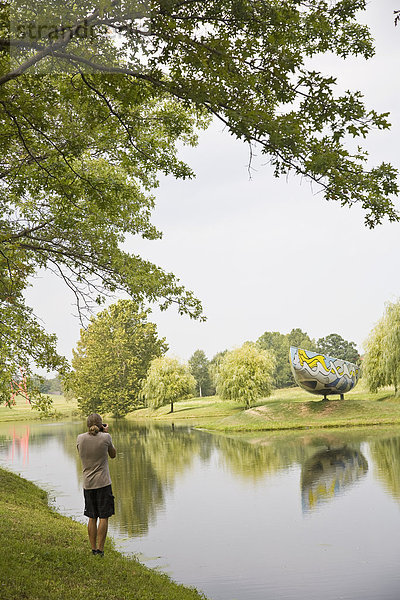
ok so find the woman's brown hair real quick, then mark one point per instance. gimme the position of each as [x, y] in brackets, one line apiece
[94, 423]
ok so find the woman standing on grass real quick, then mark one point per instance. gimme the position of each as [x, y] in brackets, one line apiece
[94, 448]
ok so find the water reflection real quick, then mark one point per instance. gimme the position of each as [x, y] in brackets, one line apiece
[386, 455]
[329, 473]
[227, 513]
[20, 444]
[152, 459]
[149, 460]
[256, 458]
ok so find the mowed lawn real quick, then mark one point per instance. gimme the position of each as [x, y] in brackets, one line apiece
[289, 408]
[23, 411]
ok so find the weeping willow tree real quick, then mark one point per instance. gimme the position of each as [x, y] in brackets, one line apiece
[246, 374]
[382, 360]
[167, 381]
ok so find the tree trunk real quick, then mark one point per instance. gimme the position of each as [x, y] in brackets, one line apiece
[172, 407]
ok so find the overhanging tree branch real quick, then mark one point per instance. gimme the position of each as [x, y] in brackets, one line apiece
[68, 35]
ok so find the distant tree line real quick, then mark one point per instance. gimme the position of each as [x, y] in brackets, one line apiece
[277, 344]
[51, 385]
[119, 365]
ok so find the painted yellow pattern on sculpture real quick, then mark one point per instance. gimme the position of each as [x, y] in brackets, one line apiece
[312, 362]
[322, 374]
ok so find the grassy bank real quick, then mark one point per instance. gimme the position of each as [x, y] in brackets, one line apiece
[23, 411]
[290, 408]
[44, 556]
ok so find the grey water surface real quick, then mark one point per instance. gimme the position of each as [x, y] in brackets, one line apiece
[266, 516]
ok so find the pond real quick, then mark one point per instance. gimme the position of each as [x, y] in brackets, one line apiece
[263, 517]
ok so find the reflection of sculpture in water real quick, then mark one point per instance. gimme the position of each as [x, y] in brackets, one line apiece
[327, 474]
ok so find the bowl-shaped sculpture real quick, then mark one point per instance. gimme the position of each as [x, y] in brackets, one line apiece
[321, 374]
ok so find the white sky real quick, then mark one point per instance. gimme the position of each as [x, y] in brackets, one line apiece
[268, 254]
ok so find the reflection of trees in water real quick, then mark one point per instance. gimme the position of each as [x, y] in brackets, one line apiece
[386, 455]
[253, 459]
[329, 473]
[171, 451]
[149, 459]
[152, 459]
[138, 490]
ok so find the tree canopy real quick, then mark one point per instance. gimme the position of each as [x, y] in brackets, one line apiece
[301, 339]
[96, 95]
[247, 63]
[337, 347]
[112, 358]
[168, 381]
[199, 368]
[245, 374]
[213, 368]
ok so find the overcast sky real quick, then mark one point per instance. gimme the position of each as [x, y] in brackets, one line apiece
[266, 254]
